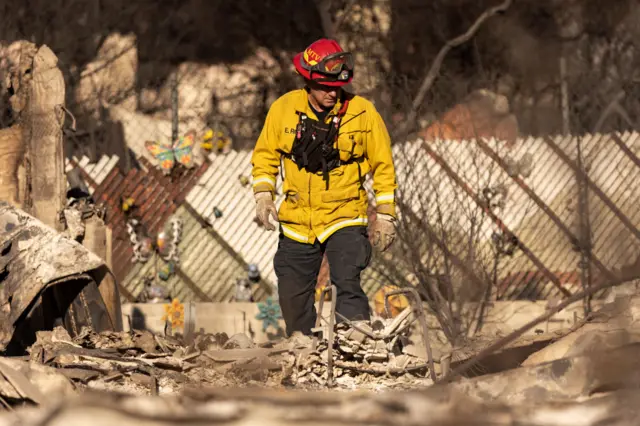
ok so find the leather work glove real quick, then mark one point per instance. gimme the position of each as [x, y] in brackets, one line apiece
[265, 207]
[383, 231]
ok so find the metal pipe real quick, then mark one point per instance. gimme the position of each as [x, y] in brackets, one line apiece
[418, 312]
[331, 325]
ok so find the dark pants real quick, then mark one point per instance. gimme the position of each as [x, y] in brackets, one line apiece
[297, 266]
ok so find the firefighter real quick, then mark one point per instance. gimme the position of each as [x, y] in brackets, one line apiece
[324, 141]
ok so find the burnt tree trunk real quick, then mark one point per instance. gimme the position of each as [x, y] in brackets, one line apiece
[31, 152]
[42, 121]
[32, 159]
[11, 156]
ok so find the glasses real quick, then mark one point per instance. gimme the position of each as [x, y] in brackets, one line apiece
[337, 66]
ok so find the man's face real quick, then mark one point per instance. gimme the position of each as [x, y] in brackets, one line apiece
[324, 96]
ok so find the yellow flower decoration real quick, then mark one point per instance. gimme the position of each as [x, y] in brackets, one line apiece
[174, 313]
[215, 140]
[208, 135]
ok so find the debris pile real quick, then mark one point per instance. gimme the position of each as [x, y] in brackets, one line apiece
[47, 279]
[215, 378]
[254, 407]
[136, 363]
[375, 354]
[597, 389]
[364, 351]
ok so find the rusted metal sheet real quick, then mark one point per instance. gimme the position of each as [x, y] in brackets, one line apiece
[45, 277]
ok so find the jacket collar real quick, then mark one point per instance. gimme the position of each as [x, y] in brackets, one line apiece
[302, 104]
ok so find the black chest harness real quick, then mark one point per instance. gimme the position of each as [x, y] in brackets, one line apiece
[314, 144]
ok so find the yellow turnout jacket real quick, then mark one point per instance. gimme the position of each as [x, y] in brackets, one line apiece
[310, 211]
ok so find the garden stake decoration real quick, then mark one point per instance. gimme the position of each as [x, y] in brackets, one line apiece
[174, 314]
[269, 313]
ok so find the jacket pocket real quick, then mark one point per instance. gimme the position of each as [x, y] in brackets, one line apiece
[292, 197]
[350, 146]
[285, 144]
[343, 194]
[292, 210]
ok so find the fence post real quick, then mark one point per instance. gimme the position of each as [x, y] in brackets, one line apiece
[564, 96]
[96, 239]
[585, 227]
[174, 106]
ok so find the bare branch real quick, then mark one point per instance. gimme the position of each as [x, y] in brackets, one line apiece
[613, 106]
[434, 70]
[324, 10]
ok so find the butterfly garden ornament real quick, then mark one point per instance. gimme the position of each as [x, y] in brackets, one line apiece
[165, 243]
[168, 240]
[140, 240]
[180, 152]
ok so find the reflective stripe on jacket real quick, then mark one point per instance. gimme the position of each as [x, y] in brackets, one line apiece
[310, 210]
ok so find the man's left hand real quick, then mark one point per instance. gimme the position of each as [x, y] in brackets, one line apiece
[383, 231]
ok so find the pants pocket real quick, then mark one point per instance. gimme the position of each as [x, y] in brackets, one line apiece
[365, 250]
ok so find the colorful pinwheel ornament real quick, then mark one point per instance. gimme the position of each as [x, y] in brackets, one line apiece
[269, 313]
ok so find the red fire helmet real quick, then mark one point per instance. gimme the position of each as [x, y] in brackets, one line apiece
[326, 63]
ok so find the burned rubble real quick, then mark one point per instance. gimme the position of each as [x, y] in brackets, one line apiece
[75, 368]
[375, 352]
[592, 389]
[46, 279]
[143, 363]
[77, 364]
[83, 351]
[138, 375]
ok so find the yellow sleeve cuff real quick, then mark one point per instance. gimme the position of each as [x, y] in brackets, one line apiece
[385, 198]
[263, 184]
